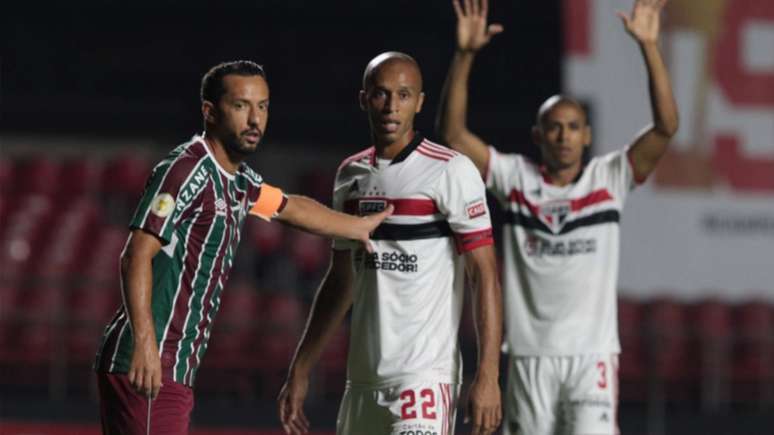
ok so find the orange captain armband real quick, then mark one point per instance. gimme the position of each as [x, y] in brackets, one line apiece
[271, 201]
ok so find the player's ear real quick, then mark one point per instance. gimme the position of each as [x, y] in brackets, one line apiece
[537, 136]
[209, 112]
[587, 135]
[420, 102]
[361, 97]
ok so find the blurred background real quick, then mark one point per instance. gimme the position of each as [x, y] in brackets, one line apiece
[95, 92]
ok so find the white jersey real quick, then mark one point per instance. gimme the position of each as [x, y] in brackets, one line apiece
[408, 294]
[561, 254]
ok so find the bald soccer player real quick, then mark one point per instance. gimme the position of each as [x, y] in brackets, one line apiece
[404, 365]
[561, 238]
[176, 262]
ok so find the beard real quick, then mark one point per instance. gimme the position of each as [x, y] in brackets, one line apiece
[240, 144]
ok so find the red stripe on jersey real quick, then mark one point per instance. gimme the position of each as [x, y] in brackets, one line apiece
[431, 154]
[592, 198]
[469, 241]
[518, 197]
[445, 410]
[439, 149]
[370, 152]
[403, 206]
[595, 197]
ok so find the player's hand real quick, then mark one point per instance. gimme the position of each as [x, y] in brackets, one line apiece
[145, 369]
[473, 33]
[483, 406]
[290, 405]
[644, 21]
[369, 223]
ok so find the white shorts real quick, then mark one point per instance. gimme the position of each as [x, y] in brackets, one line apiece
[569, 395]
[409, 409]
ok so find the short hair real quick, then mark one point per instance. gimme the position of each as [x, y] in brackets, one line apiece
[556, 100]
[212, 82]
[384, 58]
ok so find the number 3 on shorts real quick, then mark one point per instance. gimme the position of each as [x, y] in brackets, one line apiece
[408, 410]
[602, 383]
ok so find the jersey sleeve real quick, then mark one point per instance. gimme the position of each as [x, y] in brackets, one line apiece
[497, 172]
[339, 198]
[462, 199]
[169, 193]
[618, 172]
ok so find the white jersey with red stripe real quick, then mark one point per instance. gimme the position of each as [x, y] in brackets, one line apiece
[408, 294]
[561, 254]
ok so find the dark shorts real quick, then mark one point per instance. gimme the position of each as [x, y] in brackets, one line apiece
[123, 411]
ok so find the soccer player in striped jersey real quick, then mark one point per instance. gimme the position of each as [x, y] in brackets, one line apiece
[561, 240]
[176, 262]
[404, 366]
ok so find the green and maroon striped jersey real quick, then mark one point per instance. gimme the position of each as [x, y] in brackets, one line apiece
[196, 209]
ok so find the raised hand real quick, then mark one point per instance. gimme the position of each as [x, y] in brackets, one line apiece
[644, 22]
[473, 33]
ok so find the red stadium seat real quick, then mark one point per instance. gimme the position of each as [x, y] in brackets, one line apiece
[6, 176]
[713, 331]
[37, 175]
[80, 177]
[309, 252]
[632, 360]
[89, 308]
[126, 175]
[671, 357]
[235, 328]
[752, 370]
[268, 238]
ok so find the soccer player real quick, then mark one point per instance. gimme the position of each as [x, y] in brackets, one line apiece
[177, 259]
[562, 235]
[404, 363]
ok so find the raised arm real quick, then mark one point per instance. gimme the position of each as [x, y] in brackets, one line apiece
[331, 303]
[473, 34]
[643, 24]
[137, 286]
[484, 399]
[310, 215]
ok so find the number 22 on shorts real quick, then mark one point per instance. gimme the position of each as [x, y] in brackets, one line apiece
[409, 410]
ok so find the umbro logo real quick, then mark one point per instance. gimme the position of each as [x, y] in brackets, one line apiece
[604, 417]
[354, 187]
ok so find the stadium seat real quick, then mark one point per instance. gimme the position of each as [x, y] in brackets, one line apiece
[670, 350]
[80, 177]
[309, 252]
[752, 370]
[632, 360]
[712, 328]
[37, 174]
[6, 175]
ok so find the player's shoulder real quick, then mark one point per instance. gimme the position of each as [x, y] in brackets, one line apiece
[365, 156]
[182, 160]
[434, 153]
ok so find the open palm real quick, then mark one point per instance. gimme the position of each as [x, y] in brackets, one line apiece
[473, 33]
[644, 22]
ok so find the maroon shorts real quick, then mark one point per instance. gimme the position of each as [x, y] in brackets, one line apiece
[125, 412]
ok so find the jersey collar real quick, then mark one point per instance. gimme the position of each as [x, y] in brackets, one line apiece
[408, 149]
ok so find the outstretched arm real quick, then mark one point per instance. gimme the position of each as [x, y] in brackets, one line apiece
[484, 403]
[643, 24]
[333, 300]
[473, 34]
[310, 215]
